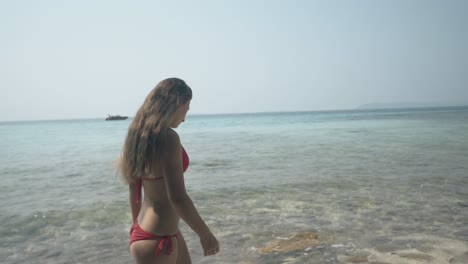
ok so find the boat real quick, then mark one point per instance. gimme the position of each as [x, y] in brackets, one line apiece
[115, 117]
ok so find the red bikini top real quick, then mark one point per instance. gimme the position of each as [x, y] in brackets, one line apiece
[185, 164]
[185, 160]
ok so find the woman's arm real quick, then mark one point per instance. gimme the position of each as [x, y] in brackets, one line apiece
[175, 185]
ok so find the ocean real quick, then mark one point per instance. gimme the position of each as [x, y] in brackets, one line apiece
[376, 186]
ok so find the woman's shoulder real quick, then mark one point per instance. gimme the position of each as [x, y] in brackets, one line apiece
[172, 138]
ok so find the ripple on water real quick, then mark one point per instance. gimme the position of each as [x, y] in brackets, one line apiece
[417, 248]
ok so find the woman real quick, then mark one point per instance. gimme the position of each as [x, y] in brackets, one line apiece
[154, 159]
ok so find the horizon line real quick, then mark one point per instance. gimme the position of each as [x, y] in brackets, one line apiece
[358, 109]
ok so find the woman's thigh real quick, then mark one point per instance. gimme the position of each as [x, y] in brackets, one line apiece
[143, 251]
[183, 256]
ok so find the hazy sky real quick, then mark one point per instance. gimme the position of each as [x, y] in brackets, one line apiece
[81, 59]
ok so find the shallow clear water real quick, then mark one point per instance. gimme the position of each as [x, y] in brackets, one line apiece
[388, 186]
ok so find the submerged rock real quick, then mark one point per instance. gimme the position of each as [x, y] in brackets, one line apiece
[353, 259]
[297, 242]
[416, 256]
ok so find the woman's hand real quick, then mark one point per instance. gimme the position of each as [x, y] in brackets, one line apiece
[210, 244]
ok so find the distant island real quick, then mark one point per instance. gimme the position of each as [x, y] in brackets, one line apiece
[410, 105]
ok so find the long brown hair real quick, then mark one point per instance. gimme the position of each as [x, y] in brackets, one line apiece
[146, 133]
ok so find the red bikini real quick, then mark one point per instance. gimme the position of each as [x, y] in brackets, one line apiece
[137, 233]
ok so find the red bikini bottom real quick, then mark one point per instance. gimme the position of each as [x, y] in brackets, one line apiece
[137, 233]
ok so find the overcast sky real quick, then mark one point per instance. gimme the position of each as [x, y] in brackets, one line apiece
[83, 59]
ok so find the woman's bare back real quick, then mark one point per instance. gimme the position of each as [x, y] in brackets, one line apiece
[157, 214]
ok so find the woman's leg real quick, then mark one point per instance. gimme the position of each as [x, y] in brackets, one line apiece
[183, 256]
[143, 251]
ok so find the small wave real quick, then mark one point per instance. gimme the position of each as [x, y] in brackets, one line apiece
[417, 248]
